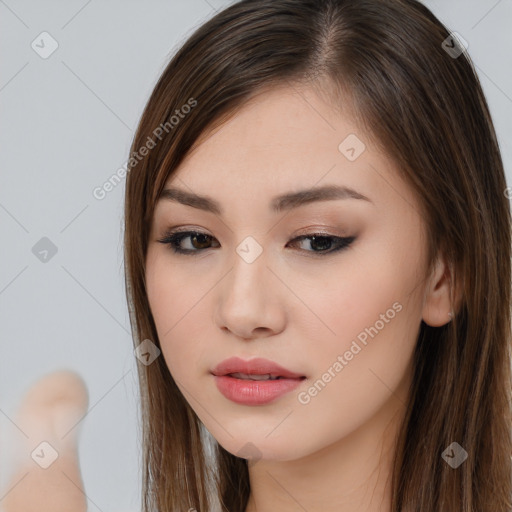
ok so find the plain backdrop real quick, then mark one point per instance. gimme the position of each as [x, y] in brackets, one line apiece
[66, 126]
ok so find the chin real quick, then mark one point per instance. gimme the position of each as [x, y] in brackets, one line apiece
[253, 445]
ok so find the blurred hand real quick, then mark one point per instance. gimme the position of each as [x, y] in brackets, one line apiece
[46, 475]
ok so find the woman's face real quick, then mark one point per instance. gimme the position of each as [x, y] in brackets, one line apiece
[341, 311]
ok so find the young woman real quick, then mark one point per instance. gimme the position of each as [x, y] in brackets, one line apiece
[317, 251]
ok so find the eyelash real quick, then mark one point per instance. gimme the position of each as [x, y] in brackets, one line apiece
[174, 238]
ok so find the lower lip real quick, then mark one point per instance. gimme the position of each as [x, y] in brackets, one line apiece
[254, 392]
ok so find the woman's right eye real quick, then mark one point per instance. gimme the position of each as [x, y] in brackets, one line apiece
[197, 241]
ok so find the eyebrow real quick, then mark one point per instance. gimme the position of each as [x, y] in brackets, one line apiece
[278, 204]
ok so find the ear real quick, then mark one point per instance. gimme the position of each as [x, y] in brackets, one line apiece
[438, 308]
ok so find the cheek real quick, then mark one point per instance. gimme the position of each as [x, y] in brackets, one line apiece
[176, 308]
[347, 300]
[375, 351]
[366, 373]
[172, 293]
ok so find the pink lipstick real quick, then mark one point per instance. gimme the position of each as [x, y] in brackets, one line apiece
[255, 382]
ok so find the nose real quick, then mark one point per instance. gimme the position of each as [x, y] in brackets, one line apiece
[249, 301]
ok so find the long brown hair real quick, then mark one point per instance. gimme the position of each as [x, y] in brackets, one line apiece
[424, 106]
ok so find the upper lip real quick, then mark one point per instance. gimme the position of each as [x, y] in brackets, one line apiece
[258, 366]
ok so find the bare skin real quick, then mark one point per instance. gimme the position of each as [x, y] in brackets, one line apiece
[323, 448]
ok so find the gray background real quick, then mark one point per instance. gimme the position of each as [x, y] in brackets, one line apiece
[66, 127]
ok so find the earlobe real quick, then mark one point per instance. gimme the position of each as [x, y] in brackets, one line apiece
[438, 309]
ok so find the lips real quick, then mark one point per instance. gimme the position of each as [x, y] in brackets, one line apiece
[254, 382]
[259, 368]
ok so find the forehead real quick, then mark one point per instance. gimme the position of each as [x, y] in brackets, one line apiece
[281, 124]
[283, 139]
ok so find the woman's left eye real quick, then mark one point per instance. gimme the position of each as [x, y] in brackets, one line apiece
[198, 242]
